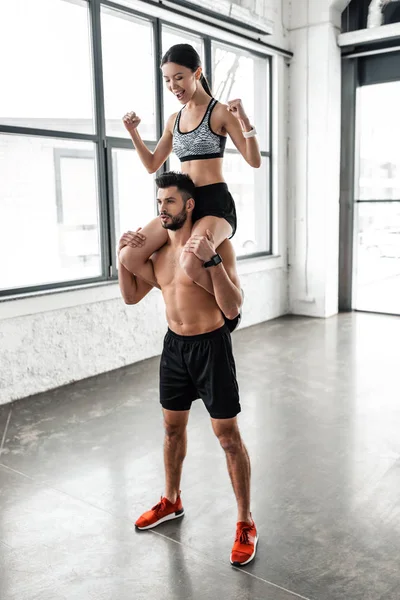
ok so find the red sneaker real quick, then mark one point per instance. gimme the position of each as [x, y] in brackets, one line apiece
[161, 512]
[245, 546]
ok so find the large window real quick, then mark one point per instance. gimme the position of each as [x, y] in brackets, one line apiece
[240, 74]
[133, 191]
[45, 70]
[49, 225]
[128, 71]
[71, 181]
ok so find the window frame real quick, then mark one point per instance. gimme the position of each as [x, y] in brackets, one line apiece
[265, 154]
[105, 144]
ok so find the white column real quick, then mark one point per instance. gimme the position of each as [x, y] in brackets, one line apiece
[314, 157]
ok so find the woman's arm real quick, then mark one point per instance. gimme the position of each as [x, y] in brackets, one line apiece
[236, 122]
[151, 160]
[133, 289]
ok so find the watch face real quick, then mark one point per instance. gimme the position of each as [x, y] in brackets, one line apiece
[215, 260]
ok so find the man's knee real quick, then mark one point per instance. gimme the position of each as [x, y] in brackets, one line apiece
[230, 442]
[174, 430]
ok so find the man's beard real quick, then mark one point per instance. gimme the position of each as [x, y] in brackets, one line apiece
[176, 222]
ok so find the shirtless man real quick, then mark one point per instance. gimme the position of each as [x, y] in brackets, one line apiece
[197, 360]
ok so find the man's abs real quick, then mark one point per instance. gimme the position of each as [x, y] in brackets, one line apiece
[190, 309]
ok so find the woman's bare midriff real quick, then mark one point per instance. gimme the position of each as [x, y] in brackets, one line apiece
[204, 172]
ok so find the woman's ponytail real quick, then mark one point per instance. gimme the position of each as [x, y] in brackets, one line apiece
[205, 84]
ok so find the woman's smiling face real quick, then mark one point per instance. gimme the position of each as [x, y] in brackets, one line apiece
[181, 81]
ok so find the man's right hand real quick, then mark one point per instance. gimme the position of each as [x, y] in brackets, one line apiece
[131, 121]
[131, 238]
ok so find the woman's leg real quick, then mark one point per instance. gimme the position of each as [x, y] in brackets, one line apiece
[135, 259]
[193, 267]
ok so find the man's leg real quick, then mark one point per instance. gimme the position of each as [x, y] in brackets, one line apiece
[246, 539]
[238, 461]
[170, 506]
[175, 445]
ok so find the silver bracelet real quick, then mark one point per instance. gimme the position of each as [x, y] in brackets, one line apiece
[251, 133]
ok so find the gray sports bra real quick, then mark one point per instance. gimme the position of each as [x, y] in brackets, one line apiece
[200, 143]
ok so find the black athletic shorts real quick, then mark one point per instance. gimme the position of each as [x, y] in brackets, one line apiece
[215, 200]
[199, 366]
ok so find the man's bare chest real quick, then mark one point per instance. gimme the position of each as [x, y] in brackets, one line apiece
[167, 269]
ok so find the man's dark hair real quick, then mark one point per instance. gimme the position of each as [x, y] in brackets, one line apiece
[181, 181]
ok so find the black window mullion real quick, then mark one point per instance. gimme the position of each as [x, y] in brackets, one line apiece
[106, 218]
[208, 59]
[377, 201]
[158, 54]
[44, 287]
[113, 272]
[53, 133]
[122, 142]
[236, 151]
[157, 39]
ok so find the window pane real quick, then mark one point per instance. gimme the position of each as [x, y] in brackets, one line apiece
[380, 12]
[47, 72]
[175, 163]
[379, 134]
[48, 199]
[128, 71]
[239, 74]
[377, 277]
[250, 190]
[391, 12]
[170, 37]
[134, 192]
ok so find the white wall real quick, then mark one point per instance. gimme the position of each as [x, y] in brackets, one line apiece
[44, 350]
[54, 339]
[314, 155]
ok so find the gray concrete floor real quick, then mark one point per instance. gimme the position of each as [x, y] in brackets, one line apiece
[321, 416]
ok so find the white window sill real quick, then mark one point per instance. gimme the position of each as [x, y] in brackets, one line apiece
[57, 299]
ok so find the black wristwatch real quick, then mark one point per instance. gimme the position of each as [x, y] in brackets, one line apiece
[216, 259]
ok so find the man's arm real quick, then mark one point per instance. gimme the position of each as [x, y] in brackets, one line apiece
[133, 289]
[226, 281]
[224, 276]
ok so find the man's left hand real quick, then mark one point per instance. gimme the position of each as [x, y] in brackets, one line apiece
[201, 246]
